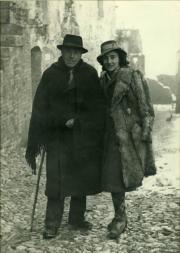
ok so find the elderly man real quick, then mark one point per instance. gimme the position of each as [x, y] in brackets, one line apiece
[67, 121]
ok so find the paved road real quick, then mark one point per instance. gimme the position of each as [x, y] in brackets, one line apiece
[153, 210]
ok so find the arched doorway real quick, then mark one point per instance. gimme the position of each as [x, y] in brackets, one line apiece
[36, 58]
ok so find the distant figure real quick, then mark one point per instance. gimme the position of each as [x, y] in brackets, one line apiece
[68, 121]
[173, 105]
[169, 118]
[127, 142]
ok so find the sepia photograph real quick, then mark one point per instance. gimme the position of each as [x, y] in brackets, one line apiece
[90, 126]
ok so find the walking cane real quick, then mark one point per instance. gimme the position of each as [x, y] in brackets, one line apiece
[37, 189]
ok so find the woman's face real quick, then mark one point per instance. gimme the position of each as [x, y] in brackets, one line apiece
[111, 61]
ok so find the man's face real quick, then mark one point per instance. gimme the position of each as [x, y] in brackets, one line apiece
[71, 56]
[111, 61]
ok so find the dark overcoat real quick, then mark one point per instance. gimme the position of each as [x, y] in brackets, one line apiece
[74, 155]
[127, 131]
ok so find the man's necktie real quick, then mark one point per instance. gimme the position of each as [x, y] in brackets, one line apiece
[71, 83]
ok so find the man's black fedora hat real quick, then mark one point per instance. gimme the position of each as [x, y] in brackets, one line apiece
[73, 41]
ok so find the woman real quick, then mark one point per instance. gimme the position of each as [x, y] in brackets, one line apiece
[129, 120]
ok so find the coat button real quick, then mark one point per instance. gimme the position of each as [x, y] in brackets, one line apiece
[128, 111]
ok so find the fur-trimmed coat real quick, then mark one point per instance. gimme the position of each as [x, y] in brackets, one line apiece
[128, 127]
[74, 155]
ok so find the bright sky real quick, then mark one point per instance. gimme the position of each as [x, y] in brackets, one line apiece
[159, 25]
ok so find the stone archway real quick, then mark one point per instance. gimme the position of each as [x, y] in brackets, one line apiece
[36, 58]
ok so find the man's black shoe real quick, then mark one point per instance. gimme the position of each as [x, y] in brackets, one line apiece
[84, 225]
[117, 228]
[110, 225]
[49, 233]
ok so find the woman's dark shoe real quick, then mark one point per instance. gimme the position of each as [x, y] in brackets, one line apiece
[50, 233]
[85, 225]
[119, 223]
[110, 225]
[117, 228]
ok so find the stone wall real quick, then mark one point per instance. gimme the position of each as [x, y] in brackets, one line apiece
[15, 73]
[28, 46]
[160, 94]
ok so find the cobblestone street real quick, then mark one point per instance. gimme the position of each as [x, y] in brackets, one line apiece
[153, 210]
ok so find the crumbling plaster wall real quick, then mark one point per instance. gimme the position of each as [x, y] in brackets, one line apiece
[15, 72]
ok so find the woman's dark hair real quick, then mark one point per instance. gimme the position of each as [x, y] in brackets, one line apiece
[123, 62]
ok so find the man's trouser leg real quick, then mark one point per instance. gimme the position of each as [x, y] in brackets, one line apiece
[77, 210]
[54, 213]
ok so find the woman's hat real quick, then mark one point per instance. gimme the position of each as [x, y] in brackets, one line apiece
[73, 41]
[108, 46]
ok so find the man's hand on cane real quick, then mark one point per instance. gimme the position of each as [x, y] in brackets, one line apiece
[70, 123]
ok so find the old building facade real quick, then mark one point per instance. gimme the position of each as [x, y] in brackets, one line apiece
[130, 40]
